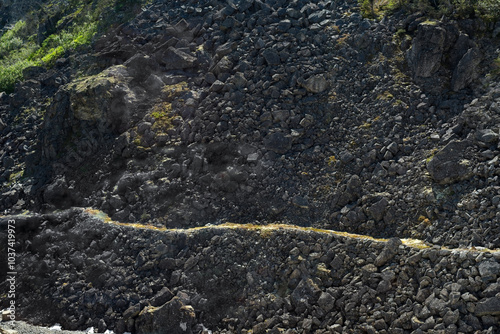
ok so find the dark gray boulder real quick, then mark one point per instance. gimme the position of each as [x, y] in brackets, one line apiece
[448, 165]
[271, 56]
[389, 251]
[424, 57]
[489, 306]
[467, 70]
[174, 59]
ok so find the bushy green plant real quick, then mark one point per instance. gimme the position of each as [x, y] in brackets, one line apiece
[378, 8]
[56, 45]
[489, 10]
[80, 23]
[14, 53]
[10, 74]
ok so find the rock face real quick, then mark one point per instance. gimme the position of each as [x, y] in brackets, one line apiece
[449, 165]
[427, 50]
[335, 125]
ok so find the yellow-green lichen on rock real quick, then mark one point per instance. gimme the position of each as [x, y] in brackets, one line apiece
[91, 96]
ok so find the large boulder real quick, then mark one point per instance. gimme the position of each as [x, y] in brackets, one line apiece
[427, 49]
[175, 59]
[104, 98]
[449, 165]
[172, 317]
[467, 70]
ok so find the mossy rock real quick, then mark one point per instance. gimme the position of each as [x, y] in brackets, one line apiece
[104, 98]
[90, 96]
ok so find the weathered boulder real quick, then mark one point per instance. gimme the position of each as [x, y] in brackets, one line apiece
[489, 269]
[448, 165]
[487, 136]
[222, 66]
[377, 210]
[390, 249]
[104, 98]
[305, 292]
[466, 71]
[174, 59]
[172, 317]
[424, 57]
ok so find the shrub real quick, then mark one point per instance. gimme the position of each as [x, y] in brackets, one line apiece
[378, 8]
[10, 74]
[84, 19]
[489, 10]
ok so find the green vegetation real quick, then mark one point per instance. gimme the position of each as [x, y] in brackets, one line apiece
[162, 113]
[37, 40]
[14, 55]
[379, 8]
[488, 10]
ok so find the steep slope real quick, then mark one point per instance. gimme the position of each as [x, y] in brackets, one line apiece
[302, 113]
[83, 270]
[195, 113]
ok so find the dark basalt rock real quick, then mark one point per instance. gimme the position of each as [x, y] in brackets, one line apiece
[448, 165]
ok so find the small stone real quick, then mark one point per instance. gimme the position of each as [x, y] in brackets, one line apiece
[326, 301]
[284, 25]
[278, 142]
[435, 137]
[393, 147]
[163, 296]
[307, 121]
[217, 86]
[316, 84]
[253, 157]
[272, 57]
[451, 317]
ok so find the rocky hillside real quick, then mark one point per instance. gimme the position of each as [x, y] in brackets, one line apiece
[82, 270]
[179, 115]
